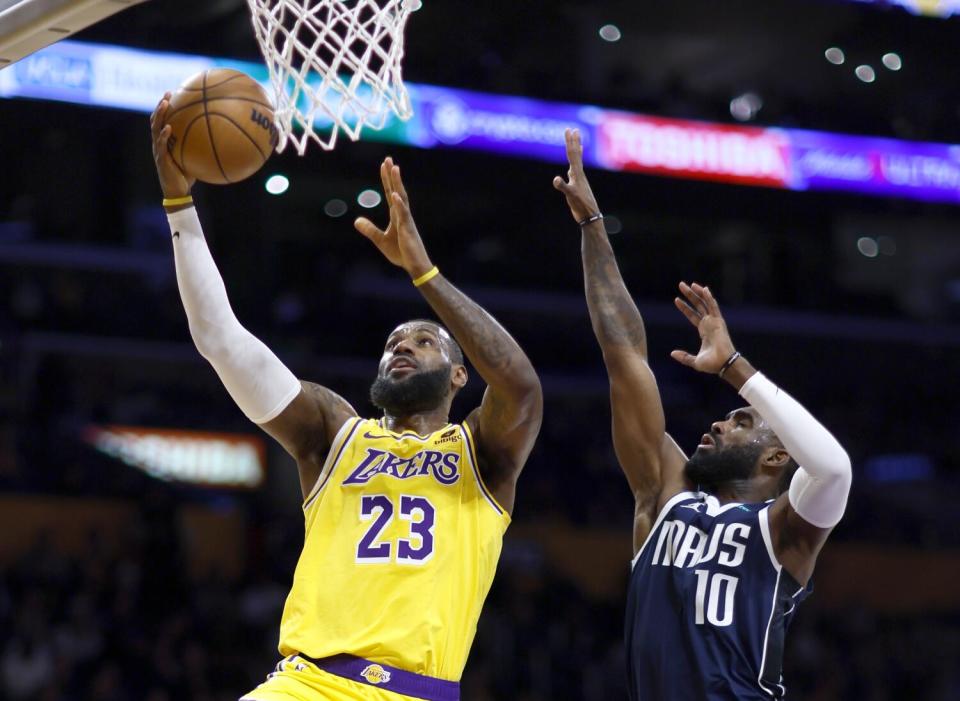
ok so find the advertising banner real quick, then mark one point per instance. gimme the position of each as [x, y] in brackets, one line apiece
[689, 149]
[117, 77]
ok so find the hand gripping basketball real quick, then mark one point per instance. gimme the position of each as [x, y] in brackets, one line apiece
[222, 124]
[173, 182]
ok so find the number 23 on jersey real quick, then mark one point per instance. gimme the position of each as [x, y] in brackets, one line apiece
[379, 509]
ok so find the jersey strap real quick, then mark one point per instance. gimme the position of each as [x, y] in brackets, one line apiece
[383, 676]
[475, 466]
[333, 456]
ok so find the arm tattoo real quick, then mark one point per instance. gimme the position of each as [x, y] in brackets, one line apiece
[616, 319]
[489, 347]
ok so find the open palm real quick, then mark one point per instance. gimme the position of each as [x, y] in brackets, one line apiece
[700, 308]
[400, 242]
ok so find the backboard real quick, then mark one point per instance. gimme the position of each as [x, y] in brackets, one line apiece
[27, 26]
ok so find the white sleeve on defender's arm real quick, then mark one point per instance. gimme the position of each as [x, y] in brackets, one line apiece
[819, 489]
[260, 384]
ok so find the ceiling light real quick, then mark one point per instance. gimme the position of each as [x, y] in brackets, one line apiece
[892, 61]
[335, 208]
[745, 107]
[277, 184]
[868, 246]
[368, 199]
[610, 32]
[866, 73]
[835, 55]
[612, 224]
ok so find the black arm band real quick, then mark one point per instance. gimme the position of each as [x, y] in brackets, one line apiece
[734, 357]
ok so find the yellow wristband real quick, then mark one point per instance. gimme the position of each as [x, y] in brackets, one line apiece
[427, 276]
[174, 201]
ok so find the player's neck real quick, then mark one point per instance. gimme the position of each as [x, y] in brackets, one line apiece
[421, 423]
[740, 491]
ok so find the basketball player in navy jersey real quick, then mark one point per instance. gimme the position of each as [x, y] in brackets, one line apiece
[725, 541]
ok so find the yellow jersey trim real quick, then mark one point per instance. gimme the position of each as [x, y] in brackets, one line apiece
[333, 456]
[475, 465]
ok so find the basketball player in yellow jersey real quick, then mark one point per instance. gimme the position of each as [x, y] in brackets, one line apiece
[405, 513]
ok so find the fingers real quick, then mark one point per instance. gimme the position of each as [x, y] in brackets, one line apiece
[694, 299]
[574, 149]
[692, 316]
[400, 215]
[395, 206]
[161, 141]
[707, 296]
[398, 185]
[159, 113]
[368, 229]
[574, 156]
[385, 177]
[683, 358]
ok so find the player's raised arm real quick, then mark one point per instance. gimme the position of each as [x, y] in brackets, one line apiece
[650, 459]
[803, 516]
[508, 420]
[303, 417]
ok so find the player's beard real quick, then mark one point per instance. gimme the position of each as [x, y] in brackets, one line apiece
[711, 469]
[416, 393]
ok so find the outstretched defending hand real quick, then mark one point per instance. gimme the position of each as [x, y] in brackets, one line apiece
[702, 310]
[576, 189]
[173, 181]
[400, 243]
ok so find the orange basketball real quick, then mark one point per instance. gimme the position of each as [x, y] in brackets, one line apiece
[222, 126]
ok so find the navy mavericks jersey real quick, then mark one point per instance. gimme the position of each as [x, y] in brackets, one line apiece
[708, 605]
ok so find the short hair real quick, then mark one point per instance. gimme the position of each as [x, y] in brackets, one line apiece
[453, 348]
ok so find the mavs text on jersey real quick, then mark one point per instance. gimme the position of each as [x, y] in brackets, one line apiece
[708, 605]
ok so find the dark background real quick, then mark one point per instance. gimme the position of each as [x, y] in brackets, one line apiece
[92, 331]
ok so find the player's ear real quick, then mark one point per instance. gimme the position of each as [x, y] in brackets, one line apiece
[775, 457]
[458, 378]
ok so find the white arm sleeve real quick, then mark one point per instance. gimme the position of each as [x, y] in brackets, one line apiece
[260, 384]
[819, 489]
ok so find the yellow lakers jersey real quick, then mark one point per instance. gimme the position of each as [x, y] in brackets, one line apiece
[402, 542]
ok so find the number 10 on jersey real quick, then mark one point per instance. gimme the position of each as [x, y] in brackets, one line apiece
[379, 509]
[710, 588]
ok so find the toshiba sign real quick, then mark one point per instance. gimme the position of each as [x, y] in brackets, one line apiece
[192, 457]
[693, 149]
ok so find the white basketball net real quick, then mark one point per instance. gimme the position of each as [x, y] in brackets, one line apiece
[333, 64]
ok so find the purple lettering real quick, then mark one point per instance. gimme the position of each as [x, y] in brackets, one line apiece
[422, 517]
[412, 468]
[367, 469]
[448, 472]
[445, 466]
[431, 458]
[390, 465]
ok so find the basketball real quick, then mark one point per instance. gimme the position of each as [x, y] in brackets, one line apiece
[222, 126]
